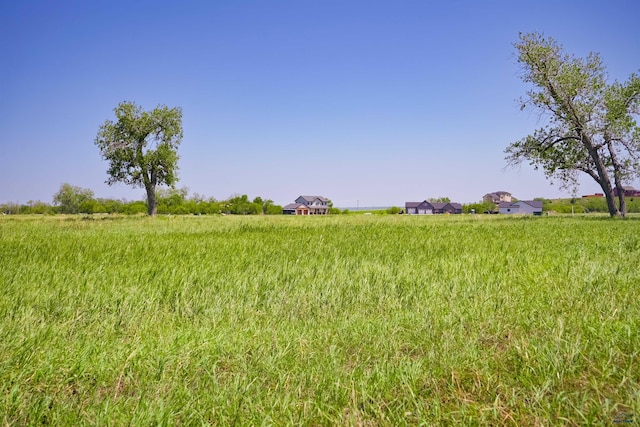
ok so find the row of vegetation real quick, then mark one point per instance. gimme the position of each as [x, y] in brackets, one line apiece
[174, 202]
[71, 199]
[586, 205]
[74, 200]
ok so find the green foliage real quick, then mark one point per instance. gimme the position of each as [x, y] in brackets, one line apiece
[394, 210]
[591, 124]
[71, 199]
[142, 147]
[240, 205]
[479, 208]
[134, 208]
[272, 209]
[110, 206]
[10, 208]
[172, 200]
[586, 205]
[338, 320]
[32, 207]
[439, 199]
[268, 207]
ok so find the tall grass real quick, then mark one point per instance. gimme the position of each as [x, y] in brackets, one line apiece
[359, 320]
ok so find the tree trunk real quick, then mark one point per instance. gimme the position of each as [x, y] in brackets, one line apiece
[604, 180]
[152, 203]
[611, 200]
[617, 180]
[623, 202]
[150, 180]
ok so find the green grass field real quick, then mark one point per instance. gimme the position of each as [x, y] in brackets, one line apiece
[344, 320]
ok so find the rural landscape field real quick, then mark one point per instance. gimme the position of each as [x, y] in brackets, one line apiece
[332, 320]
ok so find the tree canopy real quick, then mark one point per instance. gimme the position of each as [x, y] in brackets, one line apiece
[440, 199]
[590, 125]
[72, 199]
[142, 147]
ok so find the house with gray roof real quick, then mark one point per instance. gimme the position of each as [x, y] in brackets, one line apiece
[307, 205]
[418, 208]
[432, 208]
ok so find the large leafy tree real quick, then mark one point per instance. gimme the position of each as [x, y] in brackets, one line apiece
[71, 199]
[590, 124]
[142, 147]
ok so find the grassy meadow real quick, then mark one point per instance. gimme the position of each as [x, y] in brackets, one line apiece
[340, 320]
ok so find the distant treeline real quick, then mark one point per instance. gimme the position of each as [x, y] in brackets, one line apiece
[586, 205]
[75, 200]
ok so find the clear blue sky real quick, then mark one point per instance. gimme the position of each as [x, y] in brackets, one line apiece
[365, 102]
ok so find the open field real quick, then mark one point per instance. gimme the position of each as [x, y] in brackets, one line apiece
[344, 320]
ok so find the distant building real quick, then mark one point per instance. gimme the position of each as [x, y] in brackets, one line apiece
[497, 197]
[307, 205]
[629, 191]
[432, 208]
[521, 207]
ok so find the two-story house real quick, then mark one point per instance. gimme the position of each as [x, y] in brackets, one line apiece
[307, 205]
[497, 197]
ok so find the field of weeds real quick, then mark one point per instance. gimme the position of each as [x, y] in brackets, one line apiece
[344, 320]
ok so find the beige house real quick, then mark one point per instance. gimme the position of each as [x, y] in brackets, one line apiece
[497, 197]
[307, 205]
